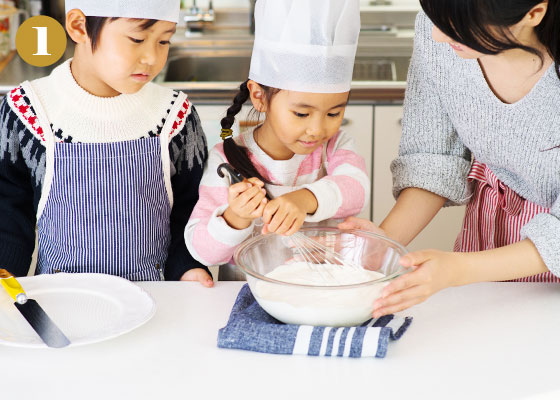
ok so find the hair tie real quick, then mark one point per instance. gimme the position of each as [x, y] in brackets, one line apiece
[226, 133]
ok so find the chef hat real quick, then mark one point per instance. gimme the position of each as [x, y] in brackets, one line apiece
[305, 45]
[163, 10]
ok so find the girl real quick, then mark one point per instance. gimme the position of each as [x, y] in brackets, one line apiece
[484, 85]
[301, 70]
[105, 163]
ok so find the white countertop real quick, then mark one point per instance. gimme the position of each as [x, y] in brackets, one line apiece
[484, 341]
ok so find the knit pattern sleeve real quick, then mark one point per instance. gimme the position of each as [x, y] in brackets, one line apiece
[18, 192]
[208, 236]
[345, 190]
[188, 153]
[544, 231]
[431, 154]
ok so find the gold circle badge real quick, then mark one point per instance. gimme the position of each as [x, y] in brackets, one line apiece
[41, 41]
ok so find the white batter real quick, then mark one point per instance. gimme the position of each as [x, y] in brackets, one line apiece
[328, 306]
[322, 274]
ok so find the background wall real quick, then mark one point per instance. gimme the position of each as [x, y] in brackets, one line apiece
[245, 3]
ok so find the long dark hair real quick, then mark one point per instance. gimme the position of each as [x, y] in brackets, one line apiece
[468, 23]
[237, 155]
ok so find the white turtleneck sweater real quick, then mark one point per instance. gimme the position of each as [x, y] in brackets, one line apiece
[92, 119]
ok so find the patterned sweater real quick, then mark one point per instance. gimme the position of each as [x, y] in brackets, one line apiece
[79, 117]
[451, 115]
[340, 183]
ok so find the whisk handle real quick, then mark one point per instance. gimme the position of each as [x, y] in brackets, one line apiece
[235, 177]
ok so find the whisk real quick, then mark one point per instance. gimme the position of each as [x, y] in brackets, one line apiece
[311, 251]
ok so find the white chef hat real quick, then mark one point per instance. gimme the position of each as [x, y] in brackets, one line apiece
[305, 45]
[163, 10]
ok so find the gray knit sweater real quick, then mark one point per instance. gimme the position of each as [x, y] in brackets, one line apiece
[452, 115]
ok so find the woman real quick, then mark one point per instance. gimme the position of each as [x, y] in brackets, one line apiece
[481, 126]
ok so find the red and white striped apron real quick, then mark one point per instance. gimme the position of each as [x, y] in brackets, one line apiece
[494, 217]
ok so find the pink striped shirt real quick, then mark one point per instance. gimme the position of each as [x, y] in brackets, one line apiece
[494, 217]
[335, 174]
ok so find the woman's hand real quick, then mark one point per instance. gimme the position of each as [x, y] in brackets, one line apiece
[286, 214]
[246, 202]
[433, 270]
[360, 224]
[198, 275]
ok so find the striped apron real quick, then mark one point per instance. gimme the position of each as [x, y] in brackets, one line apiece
[105, 207]
[494, 217]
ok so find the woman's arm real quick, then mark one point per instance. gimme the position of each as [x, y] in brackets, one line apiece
[437, 270]
[413, 211]
[431, 156]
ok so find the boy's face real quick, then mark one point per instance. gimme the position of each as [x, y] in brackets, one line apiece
[128, 56]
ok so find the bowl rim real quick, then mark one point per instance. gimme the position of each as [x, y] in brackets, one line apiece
[254, 274]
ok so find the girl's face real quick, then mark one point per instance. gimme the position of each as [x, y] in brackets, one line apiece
[299, 122]
[461, 50]
[127, 56]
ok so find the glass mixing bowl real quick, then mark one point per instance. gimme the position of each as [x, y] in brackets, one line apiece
[339, 293]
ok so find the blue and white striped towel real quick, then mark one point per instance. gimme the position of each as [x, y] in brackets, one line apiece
[251, 328]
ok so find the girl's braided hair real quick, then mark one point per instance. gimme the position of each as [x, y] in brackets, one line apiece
[237, 155]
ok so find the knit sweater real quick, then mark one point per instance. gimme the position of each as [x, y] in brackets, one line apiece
[79, 117]
[337, 177]
[451, 115]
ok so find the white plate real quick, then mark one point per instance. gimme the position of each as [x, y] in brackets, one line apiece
[88, 308]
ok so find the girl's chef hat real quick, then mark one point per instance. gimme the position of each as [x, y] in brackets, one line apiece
[305, 45]
[163, 10]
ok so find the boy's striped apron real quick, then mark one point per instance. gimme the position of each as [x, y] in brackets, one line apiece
[105, 207]
[494, 217]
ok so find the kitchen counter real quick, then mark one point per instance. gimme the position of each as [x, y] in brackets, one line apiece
[483, 341]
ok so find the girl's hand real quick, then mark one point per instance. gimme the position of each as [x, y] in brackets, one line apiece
[246, 202]
[432, 271]
[198, 274]
[286, 214]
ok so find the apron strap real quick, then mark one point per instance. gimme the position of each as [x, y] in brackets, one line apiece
[178, 113]
[45, 124]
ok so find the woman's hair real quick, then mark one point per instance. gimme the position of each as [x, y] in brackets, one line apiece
[483, 25]
[94, 26]
[237, 155]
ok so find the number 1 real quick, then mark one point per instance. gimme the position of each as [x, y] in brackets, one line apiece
[41, 41]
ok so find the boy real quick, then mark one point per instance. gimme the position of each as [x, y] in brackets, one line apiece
[103, 162]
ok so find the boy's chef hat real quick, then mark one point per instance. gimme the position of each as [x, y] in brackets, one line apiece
[163, 10]
[305, 45]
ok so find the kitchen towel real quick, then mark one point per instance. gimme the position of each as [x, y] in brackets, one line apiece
[251, 328]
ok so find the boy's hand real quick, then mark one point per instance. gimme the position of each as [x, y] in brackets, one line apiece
[433, 270]
[198, 274]
[285, 214]
[246, 201]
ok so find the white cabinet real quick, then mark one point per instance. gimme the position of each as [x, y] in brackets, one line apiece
[442, 231]
[358, 123]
